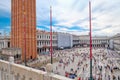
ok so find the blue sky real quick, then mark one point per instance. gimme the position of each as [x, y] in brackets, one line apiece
[71, 16]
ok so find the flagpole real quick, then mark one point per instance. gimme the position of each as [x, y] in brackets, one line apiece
[91, 78]
[51, 50]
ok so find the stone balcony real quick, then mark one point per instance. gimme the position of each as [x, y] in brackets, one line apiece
[12, 71]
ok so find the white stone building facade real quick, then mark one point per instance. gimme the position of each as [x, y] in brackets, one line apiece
[97, 41]
[115, 42]
[4, 41]
[64, 40]
[43, 41]
[67, 40]
[76, 40]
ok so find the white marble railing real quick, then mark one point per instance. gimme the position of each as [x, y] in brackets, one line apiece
[11, 71]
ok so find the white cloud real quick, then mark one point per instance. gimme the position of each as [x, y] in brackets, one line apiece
[38, 28]
[5, 5]
[78, 32]
[72, 13]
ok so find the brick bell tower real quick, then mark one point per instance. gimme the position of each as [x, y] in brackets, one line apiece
[23, 27]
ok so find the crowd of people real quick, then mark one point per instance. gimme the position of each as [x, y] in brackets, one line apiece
[75, 62]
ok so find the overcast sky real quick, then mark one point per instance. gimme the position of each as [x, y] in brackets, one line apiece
[71, 16]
